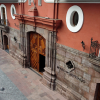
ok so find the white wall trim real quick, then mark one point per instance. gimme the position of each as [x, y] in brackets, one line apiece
[2, 5]
[12, 7]
[66, 1]
[19, 1]
[69, 18]
[52, 1]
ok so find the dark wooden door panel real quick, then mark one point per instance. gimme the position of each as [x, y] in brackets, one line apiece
[97, 93]
[34, 56]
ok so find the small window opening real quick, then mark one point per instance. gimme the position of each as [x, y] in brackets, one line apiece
[75, 18]
[13, 11]
[69, 64]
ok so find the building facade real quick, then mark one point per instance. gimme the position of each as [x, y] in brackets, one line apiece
[57, 38]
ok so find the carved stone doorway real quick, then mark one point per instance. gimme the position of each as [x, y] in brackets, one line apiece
[49, 56]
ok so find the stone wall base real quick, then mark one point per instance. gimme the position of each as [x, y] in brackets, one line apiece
[49, 78]
[19, 57]
[80, 81]
[67, 92]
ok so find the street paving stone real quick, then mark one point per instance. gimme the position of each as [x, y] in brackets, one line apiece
[22, 83]
[11, 92]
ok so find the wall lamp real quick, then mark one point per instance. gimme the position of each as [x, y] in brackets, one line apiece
[83, 45]
[15, 39]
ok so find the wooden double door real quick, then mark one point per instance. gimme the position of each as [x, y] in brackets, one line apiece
[37, 52]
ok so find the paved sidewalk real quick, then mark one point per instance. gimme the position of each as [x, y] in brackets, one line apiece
[27, 81]
[9, 91]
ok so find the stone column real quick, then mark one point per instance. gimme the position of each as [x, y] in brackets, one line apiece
[0, 39]
[23, 45]
[49, 74]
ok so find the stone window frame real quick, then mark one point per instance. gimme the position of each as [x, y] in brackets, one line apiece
[69, 18]
[11, 10]
[46, 34]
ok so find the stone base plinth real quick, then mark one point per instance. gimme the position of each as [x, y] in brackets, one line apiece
[49, 78]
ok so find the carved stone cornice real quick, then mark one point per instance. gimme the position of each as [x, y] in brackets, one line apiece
[37, 21]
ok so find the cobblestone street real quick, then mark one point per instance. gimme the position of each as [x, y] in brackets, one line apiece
[22, 83]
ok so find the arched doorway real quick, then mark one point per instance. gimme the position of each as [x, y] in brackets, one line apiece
[6, 46]
[97, 92]
[37, 51]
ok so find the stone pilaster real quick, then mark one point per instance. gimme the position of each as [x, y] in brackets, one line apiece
[49, 76]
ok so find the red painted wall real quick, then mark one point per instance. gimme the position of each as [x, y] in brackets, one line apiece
[46, 10]
[90, 28]
[12, 21]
